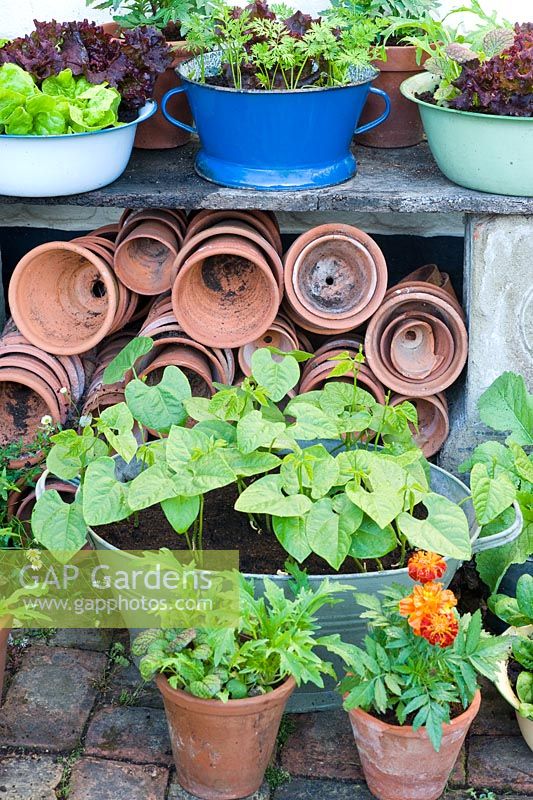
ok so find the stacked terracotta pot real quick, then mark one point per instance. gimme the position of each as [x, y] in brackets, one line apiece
[335, 278]
[417, 345]
[228, 277]
[65, 297]
[317, 371]
[216, 280]
[34, 384]
[99, 395]
[172, 345]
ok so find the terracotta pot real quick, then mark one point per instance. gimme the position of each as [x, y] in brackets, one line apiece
[161, 215]
[190, 361]
[233, 228]
[406, 303]
[157, 133]
[259, 220]
[315, 377]
[63, 298]
[40, 369]
[335, 278]
[225, 294]
[144, 259]
[221, 750]
[276, 336]
[24, 399]
[107, 231]
[63, 371]
[404, 127]
[433, 422]
[4, 636]
[401, 764]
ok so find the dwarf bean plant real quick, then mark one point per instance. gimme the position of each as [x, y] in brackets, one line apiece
[334, 472]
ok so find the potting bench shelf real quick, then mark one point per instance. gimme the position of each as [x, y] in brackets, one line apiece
[391, 185]
[387, 181]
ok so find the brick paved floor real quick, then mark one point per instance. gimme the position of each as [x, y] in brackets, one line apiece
[75, 726]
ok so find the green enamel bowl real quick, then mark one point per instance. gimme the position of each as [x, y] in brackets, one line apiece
[480, 151]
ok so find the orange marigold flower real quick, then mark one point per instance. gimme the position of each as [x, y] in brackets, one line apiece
[424, 566]
[439, 629]
[430, 598]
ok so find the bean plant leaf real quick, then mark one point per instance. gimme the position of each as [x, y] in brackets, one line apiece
[312, 423]
[445, 529]
[151, 486]
[523, 465]
[383, 500]
[524, 596]
[72, 452]
[125, 360]
[326, 537]
[371, 541]
[265, 496]
[105, 499]
[278, 377]
[60, 527]
[181, 512]
[507, 406]
[292, 536]
[491, 496]
[493, 564]
[253, 431]
[116, 423]
[161, 406]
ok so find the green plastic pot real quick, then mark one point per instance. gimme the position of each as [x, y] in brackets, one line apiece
[479, 151]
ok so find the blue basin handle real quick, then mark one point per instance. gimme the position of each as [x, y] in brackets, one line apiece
[363, 128]
[168, 116]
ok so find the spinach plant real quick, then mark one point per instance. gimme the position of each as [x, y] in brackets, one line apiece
[266, 47]
[500, 472]
[276, 638]
[519, 613]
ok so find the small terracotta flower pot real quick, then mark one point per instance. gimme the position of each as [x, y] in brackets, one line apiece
[144, 259]
[191, 361]
[162, 215]
[403, 312]
[335, 278]
[63, 298]
[433, 421]
[400, 763]
[221, 750]
[404, 126]
[276, 336]
[157, 133]
[4, 637]
[225, 294]
[233, 228]
[24, 399]
[259, 220]
[107, 231]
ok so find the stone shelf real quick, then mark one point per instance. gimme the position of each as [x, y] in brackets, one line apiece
[387, 181]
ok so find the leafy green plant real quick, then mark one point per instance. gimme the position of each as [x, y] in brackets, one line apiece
[262, 49]
[276, 638]
[169, 16]
[63, 104]
[500, 472]
[419, 658]
[518, 612]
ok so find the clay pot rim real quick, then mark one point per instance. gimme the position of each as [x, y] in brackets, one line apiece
[42, 370]
[108, 278]
[403, 59]
[387, 335]
[242, 215]
[231, 708]
[36, 384]
[376, 255]
[150, 217]
[246, 252]
[126, 272]
[224, 229]
[406, 731]
[426, 387]
[411, 287]
[40, 355]
[364, 301]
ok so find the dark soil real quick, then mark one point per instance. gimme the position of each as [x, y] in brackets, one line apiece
[513, 671]
[470, 590]
[224, 529]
